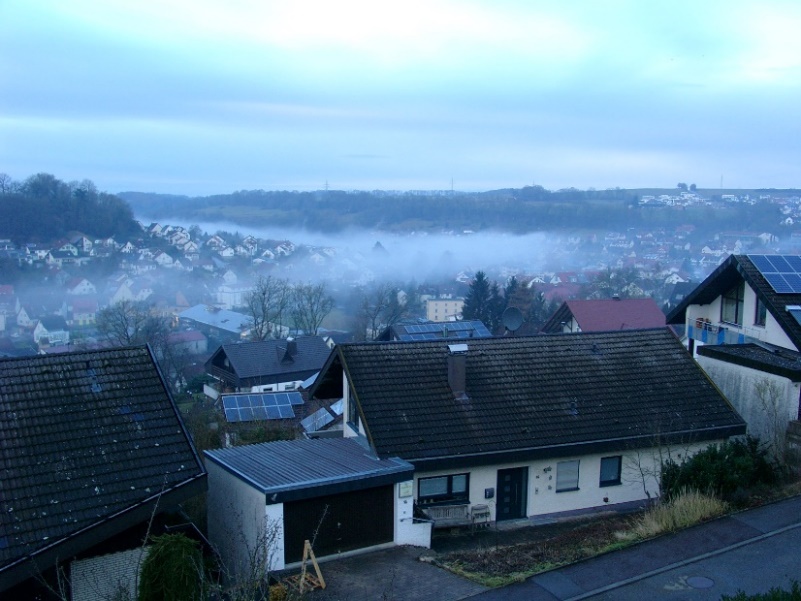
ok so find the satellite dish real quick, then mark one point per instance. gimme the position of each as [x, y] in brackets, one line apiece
[512, 318]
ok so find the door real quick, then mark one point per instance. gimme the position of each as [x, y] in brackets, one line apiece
[341, 522]
[511, 503]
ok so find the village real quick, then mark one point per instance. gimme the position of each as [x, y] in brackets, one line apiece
[426, 423]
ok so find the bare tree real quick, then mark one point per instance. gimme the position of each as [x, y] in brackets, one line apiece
[380, 307]
[311, 305]
[6, 184]
[266, 305]
[129, 323]
[769, 397]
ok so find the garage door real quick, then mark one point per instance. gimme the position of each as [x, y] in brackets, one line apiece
[346, 521]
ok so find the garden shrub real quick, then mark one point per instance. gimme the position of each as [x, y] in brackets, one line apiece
[774, 594]
[724, 470]
[172, 570]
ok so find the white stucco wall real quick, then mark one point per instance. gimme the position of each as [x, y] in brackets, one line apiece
[765, 401]
[407, 532]
[236, 521]
[771, 332]
[639, 472]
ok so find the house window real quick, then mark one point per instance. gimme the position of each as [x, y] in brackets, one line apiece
[761, 313]
[731, 310]
[567, 476]
[610, 471]
[444, 489]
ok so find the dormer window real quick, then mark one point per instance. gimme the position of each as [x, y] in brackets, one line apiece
[731, 309]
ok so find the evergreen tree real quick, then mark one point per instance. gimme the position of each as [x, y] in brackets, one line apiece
[482, 301]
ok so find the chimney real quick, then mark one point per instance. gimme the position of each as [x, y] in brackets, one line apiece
[290, 351]
[457, 370]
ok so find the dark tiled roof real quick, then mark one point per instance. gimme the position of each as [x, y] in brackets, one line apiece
[764, 357]
[304, 468]
[84, 438]
[432, 330]
[600, 315]
[730, 272]
[559, 393]
[250, 360]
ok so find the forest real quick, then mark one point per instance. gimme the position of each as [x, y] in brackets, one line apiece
[527, 209]
[44, 208]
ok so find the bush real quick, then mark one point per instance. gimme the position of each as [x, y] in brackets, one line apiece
[172, 570]
[687, 509]
[774, 594]
[724, 471]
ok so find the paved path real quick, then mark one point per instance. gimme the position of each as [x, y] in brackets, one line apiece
[751, 551]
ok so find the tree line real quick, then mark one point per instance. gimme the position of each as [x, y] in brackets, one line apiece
[43, 208]
[532, 208]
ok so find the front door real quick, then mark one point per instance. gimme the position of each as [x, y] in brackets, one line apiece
[511, 503]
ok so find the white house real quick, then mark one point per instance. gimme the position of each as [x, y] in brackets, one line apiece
[743, 325]
[513, 427]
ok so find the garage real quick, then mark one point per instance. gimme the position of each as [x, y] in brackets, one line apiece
[341, 520]
[334, 492]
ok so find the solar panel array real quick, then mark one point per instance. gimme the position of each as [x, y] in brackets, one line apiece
[261, 406]
[452, 329]
[322, 417]
[783, 272]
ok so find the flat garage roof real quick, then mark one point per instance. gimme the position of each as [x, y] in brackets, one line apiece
[291, 470]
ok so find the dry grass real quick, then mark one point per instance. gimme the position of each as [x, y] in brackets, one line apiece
[688, 509]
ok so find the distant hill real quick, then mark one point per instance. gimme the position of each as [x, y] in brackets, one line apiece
[43, 208]
[531, 208]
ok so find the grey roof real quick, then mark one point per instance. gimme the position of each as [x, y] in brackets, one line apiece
[430, 330]
[222, 319]
[269, 361]
[290, 470]
[529, 396]
[89, 442]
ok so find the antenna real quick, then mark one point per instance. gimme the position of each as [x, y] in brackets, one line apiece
[512, 319]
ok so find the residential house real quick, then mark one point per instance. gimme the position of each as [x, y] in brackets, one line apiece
[512, 427]
[51, 330]
[83, 244]
[444, 309]
[94, 451]
[190, 342]
[275, 496]
[218, 324]
[422, 329]
[599, 315]
[743, 325]
[80, 287]
[81, 311]
[267, 365]
[162, 259]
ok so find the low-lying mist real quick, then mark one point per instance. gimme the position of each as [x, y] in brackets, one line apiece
[413, 256]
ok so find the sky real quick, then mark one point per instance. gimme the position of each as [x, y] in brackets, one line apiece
[202, 97]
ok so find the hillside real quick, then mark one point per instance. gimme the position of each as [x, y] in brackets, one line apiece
[527, 209]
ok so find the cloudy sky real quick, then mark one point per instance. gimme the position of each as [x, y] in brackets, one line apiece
[207, 96]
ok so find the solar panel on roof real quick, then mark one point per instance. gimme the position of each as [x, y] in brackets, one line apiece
[316, 421]
[782, 272]
[264, 406]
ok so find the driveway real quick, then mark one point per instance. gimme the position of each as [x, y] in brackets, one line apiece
[752, 551]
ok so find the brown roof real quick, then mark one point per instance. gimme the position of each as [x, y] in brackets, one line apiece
[600, 315]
